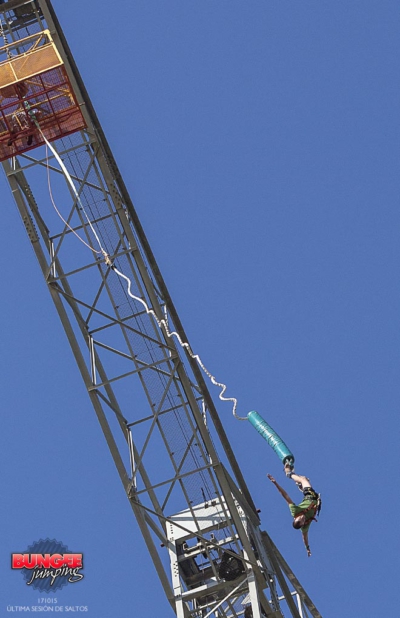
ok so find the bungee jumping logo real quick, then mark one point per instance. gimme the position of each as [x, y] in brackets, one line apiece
[48, 565]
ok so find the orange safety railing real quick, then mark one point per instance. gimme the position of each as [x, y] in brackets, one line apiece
[34, 88]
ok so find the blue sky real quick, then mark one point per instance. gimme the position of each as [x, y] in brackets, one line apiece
[259, 141]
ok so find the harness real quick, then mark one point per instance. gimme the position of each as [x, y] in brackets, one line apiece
[312, 507]
[310, 494]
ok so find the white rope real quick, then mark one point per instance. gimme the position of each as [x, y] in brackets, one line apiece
[163, 323]
[72, 185]
[58, 212]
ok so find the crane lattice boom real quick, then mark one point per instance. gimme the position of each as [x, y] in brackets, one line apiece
[193, 508]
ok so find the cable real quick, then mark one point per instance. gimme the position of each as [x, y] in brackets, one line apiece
[163, 323]
[58, 212]
[71, 183]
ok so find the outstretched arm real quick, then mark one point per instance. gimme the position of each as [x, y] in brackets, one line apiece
[281, 490]
[305, 539]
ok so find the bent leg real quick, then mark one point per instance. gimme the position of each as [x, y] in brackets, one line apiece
[301, 480]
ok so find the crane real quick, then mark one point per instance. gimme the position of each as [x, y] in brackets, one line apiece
[192, 505]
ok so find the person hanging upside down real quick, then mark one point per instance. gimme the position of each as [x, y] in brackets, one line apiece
[305, 512]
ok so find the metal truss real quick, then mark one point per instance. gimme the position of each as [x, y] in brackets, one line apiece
[163, 431]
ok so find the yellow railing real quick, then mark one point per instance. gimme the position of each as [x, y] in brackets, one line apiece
[41, 56]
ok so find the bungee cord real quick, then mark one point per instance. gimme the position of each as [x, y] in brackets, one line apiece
[58, 212]
[78, 199]
[162, 323]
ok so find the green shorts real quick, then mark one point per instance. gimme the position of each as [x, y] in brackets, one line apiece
[298, 509]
